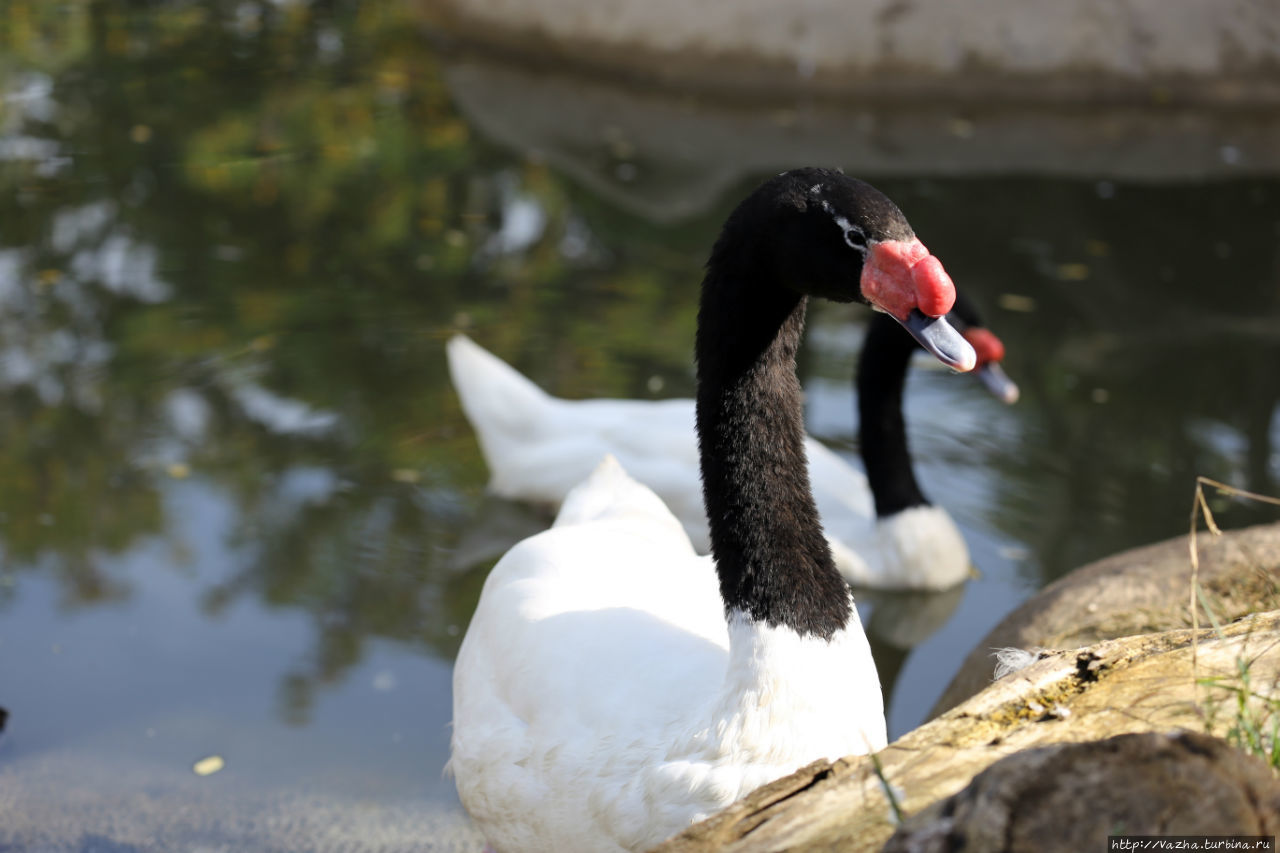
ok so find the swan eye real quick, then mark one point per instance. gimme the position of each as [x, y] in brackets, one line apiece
[856, 239]
[852, 233]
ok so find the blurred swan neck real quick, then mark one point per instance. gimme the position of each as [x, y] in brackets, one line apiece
[886, 456]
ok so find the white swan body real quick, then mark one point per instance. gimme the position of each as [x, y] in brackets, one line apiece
[538, 447]
[579, 632]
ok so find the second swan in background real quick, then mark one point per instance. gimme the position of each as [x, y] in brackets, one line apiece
[883, 531]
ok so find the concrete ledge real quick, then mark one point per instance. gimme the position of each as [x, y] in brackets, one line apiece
[988, 51]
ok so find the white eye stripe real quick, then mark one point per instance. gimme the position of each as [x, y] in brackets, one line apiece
[861, 247]
[847, 228]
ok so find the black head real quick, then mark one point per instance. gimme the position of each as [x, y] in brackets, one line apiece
[810, 230]
[818, 232]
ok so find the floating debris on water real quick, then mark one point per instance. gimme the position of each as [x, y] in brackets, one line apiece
[1073, 272]
[1016, 302]
[208, 766]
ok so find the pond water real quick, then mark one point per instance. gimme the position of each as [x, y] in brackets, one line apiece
[241, 514]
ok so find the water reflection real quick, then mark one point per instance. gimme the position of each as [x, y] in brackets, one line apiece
[899, 622]
[233, 239]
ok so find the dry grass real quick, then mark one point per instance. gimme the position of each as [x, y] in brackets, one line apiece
[1254, 713]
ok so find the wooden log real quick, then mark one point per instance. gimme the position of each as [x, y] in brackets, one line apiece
[1153, 682]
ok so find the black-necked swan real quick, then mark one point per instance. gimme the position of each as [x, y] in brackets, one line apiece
[613, 686]
[909, 542]
[883, 531]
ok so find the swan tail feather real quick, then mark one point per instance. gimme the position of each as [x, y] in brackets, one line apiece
[503, 406]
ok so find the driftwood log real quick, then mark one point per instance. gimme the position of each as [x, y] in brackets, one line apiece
[1156, 682]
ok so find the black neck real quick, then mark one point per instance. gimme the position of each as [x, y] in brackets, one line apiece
[771, 556]
[882, 374]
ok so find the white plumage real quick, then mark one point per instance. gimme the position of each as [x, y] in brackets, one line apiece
[579, 631]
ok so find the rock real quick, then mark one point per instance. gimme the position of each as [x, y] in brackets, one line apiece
[1135, 592]
[1153, 683]
[1070, 797]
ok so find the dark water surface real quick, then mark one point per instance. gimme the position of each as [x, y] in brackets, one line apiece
[240, 511]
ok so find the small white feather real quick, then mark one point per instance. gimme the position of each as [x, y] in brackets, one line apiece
[1010, 660]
